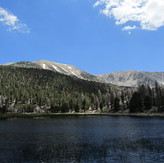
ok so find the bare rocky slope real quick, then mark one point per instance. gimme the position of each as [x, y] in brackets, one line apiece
[133, 78]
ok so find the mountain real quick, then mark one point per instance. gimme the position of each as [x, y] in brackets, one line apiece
[133, 78]
[40, 90]
[130, 78]
[66, 69]
[30, 88]
[56, 67]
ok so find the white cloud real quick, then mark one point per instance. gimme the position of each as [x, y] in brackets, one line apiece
[13, 23]
[148, 13]
[129, 28]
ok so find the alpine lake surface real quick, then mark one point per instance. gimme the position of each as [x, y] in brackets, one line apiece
[83, 139]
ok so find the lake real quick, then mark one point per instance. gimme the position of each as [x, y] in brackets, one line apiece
[91, 139]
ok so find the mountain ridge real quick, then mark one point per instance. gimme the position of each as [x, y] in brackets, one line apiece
[131, 78]
[56, 67]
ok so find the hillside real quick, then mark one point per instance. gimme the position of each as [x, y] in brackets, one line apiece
[133, 78]
[56, 67]
[32, 88]
[25, 90]
[130, 78]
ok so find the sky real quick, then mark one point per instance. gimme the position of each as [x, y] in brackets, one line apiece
[98, 36]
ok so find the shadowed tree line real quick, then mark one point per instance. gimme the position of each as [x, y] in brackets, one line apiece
[35, 90]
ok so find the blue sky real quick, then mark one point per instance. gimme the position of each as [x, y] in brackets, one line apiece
[93, 38]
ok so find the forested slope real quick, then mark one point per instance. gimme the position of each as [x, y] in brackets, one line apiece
[37, 90]
[24, 89]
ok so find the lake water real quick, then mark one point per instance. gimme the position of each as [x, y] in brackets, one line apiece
[99, 139]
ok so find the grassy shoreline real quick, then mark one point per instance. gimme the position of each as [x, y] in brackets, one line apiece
[53, 115]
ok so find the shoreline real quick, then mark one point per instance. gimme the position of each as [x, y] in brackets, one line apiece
[53, 115]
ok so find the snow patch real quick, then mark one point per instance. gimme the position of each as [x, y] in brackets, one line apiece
[69, 67]
[64, 69]
[74, 74]
[56, 68]
[44, 66]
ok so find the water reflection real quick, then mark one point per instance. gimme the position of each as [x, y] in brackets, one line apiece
[83, 140]
[114, 151]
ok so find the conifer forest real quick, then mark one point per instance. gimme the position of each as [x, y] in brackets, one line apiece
[32, 90]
